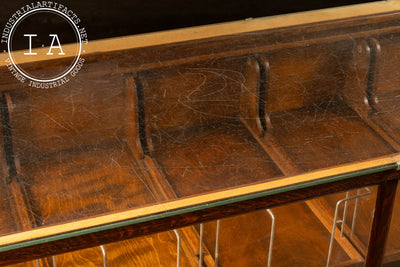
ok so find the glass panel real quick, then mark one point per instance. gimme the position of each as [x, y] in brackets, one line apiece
[298, 234]
[154, 131]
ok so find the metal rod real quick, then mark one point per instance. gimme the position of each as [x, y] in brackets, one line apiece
[178, 248]
[201, 245]
[54, 261]
[271, 237]
[104, 252]
[346, 205]
[335, 221]
[333, 232]
[38, 263]
[217, 243]
[353, 223]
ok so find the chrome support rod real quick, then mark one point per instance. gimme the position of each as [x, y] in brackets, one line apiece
[353, 223]
[178, 248]
[104, 252]
[346, 205]
[217, 243]
[201, 245]
[271, 237]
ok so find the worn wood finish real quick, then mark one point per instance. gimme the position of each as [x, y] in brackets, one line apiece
[226, 156]
[78, 177]
[172, 125]
[251, 95]
[176, 98]
[383, 90]
[326, 135]
[85, 112]
[314, 109]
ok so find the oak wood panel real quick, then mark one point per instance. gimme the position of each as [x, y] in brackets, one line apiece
[7, 220]
[19, 205]
[191, 95]
[83, 112]
[163, 190]
[386, 55]
[83, 182]
[251, 95]
[305, 76]
[383, 90]
[213, 157]
[326, 135]
[188, 109]
[357, 76]
[385, 116]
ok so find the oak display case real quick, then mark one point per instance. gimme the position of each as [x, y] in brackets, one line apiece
[162, 134]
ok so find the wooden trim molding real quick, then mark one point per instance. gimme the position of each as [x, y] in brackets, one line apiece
[225, 29]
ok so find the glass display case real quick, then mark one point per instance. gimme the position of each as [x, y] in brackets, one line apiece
[264, 142]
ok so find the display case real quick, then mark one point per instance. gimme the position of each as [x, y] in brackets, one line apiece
[272, 141]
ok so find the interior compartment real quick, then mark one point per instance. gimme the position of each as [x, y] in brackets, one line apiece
[81, 157]
[70, 152]
[195, 131]
[122, 141]
[306, 112]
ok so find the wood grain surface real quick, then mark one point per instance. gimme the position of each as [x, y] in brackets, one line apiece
[85, 182]
[158, 127]
[214, 157]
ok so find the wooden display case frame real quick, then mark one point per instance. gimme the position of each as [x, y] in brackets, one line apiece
[170, 49]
